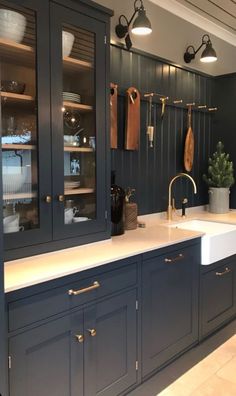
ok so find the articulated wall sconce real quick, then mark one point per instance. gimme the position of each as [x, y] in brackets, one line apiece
[141, 25]
[208, 55]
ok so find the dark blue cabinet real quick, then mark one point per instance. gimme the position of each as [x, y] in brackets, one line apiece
[44, 359]
[169, 304]
[110, 355]
[218, 295]
[61, 198]
[84, 344]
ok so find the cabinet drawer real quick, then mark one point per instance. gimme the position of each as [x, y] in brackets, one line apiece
[218, 300]
[44, 305]
[169, 305]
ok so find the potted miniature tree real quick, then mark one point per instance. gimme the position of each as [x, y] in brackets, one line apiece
[219, 179]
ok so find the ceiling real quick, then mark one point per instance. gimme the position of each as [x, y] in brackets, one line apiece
[222, 12]
[215, 16]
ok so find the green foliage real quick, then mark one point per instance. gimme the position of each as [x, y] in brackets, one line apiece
[220, 169]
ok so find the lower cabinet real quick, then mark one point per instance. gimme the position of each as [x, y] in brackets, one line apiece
[88, 352]
[169, 304]
[218, 295]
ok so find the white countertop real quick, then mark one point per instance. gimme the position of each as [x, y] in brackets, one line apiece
[37, 269]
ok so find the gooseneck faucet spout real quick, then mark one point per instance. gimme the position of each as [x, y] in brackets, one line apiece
[170, 208]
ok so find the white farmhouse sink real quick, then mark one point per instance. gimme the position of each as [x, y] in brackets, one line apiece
[218, 242]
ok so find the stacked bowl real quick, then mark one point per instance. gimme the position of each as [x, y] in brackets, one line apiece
[12, 25]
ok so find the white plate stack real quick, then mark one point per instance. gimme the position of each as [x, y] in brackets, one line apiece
[71, 97]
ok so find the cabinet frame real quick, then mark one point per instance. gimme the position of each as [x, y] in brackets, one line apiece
[44, 231]
[43, 240]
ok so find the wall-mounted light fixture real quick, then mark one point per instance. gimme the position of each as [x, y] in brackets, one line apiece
[208, 55]
[141, 25]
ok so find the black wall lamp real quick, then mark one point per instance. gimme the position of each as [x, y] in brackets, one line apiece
[208, 55]
[141, 25]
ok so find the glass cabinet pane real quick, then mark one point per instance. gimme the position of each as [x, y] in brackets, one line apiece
[79, 124]
[19, 119]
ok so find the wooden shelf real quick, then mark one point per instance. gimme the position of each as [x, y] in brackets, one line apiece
[19, 196]
[16, 98]
[77, 191]
[78, 106]
[17, 53]
[73, 64]
[74, 149]
[16, 47]
[18, 146]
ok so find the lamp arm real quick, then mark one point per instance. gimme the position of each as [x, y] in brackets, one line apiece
[126, 20]
[132, 18]
[195, 52]
[136, 9]
[205, 40]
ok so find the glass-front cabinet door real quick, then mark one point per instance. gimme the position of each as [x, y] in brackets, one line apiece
[24, 73]
[78, 113]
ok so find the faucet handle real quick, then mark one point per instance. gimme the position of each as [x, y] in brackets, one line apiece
[184, 202]
[173, 204]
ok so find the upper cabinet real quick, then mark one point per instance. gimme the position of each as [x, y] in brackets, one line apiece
[54, 87]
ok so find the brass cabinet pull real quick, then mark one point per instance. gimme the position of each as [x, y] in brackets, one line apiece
[92, 332]
[227, 270]
[48, 199]
[79, 338]
[61, 198]
[172, 260]
[95, 285]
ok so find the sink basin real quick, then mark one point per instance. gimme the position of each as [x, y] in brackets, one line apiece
[218, 242]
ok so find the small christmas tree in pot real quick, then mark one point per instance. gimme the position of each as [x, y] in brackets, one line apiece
[219, 179]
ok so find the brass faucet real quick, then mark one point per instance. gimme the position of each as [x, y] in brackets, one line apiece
[170, 208]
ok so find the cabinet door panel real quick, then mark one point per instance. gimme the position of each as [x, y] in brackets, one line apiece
[218, 296]
[110, 355]
[170, 303]
[78, 111]
[41, 360]
[25, 123]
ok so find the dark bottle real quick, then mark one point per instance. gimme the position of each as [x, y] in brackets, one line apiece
[117, 208]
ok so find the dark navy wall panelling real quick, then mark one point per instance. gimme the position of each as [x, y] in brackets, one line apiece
[149, 170]
[224, 121]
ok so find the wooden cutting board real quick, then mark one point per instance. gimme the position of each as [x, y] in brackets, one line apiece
[113, 115]
[132, 129]
[189, 144]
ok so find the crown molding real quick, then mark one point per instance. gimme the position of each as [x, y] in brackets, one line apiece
[196, 19]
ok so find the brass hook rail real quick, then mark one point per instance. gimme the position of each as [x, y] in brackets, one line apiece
[178, 103]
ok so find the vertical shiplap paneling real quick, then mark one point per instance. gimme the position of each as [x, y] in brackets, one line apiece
[150, 170]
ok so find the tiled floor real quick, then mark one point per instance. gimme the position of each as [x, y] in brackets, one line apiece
[207, 370]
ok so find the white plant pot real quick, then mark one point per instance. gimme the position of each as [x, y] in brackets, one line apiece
[218, 200]
[67, 43]
[12, 25]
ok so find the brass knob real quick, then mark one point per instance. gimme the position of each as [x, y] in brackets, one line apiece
[61, 198]
[79, 338]
[92, 332]
[48, 199]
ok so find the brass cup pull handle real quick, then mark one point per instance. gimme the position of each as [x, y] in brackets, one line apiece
[92, 332]
[48, 199]
[95, 285]
[61, 198]
[227, 270]
[79, 338]
[174, 259]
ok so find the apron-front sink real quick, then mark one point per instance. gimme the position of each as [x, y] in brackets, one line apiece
[218, 242]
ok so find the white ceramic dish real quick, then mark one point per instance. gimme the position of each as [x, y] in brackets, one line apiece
[12, 25]
[67, 43]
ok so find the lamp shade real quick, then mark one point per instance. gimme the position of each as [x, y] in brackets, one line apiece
[209, 54]
[142, 25]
